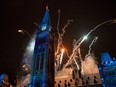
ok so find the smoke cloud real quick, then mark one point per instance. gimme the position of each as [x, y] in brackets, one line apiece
[89, 65]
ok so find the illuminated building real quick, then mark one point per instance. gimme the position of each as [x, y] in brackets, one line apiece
[73, 80]
[108, 70]
[42, 74]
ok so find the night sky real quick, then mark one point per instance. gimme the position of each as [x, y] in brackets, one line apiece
[22, 14]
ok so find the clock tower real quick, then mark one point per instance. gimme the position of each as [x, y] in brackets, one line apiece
[42, 73]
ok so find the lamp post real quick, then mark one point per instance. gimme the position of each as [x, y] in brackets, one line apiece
[26, 67]
[32, 41]
[22, 31]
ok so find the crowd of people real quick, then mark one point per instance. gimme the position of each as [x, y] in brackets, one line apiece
[8, 80]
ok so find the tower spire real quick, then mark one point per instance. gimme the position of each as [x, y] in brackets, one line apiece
[42, 74]
[47, 7]
[46, 19]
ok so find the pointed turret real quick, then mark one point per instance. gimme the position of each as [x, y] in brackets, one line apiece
[46, 19]
[45, 23]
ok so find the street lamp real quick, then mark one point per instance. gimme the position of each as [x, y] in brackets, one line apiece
[29, 50]
[22, 31]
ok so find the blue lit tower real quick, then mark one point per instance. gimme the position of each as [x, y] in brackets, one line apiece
[42, 74]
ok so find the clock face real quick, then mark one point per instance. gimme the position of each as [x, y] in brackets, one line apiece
[44, 27]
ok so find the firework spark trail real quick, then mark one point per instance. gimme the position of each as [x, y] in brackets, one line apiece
[108, 21]
[81, 61]
[60, 35]
[59, 39]
[76, 64]
[66, 25]
[75, 55]
[75, 49]
[94, 41]
[73, 59]
[84, 63]
[75, 42]
[61, 56]
[79, 51]
[87, 68]
[76, 45]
